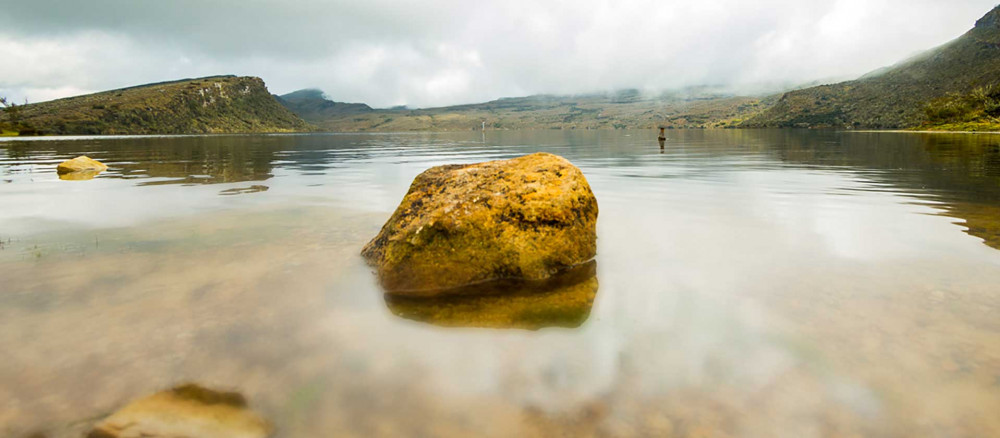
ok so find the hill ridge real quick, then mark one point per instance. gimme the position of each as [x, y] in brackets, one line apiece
[211, 104]
[900, 96]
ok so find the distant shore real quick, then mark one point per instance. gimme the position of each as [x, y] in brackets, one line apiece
[924, 131]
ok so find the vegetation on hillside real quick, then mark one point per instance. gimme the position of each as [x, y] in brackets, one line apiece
[10, 123]
[219, 104]
[618, 110]
[977, 110]
[898, 97]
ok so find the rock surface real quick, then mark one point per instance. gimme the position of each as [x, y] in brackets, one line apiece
[189, 411]
[525, 218]
[81, 164]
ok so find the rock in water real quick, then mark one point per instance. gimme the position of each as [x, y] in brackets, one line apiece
[80, 164]
[525, 218]
[189, 411]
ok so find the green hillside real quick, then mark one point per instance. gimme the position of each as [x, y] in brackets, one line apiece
[692, 108]
[218, 104]
[937, 89]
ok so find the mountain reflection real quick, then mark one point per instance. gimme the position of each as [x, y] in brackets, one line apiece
[166, 160]
[958, 172]
[209, 161]
[564, 301]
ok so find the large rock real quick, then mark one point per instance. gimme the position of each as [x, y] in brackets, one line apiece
[82, 163]
[525, 218]
[189, 411]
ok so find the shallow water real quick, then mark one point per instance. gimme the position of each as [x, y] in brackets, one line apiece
[748, 284]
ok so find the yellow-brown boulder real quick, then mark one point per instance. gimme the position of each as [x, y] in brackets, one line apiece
[81, 164]
[524, 218]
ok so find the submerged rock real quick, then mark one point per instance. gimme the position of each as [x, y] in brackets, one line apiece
[82, 175]
[525, 218]
[82, 163]
[563, 301]
[189, 411]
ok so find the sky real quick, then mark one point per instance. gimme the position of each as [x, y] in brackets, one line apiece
[443, 52]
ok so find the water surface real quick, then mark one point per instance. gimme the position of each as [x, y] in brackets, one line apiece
[748, 284]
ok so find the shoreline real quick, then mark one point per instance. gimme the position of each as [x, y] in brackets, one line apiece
[924, 131]
[7, 137]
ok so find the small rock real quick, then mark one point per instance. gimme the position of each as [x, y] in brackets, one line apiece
[524, 218]
[189, 411]
[80, 164]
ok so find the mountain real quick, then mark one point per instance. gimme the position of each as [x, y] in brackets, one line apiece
[312, 105]
[216, 104]
[690, 108]
[942, 88]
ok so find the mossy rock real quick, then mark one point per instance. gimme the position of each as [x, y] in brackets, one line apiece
[190, 411]
[527, 218]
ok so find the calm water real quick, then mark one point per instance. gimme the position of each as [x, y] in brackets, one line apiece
[748, 284]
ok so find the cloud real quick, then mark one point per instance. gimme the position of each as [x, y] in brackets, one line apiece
[442, 52]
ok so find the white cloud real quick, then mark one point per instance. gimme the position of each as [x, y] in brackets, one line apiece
[447, 52]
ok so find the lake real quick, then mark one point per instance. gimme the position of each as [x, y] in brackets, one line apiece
[748, 284]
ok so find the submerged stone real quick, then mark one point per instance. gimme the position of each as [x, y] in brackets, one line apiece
[82, 163]
[563, 301]
[527, 218]
[82, 175]
[189, 411]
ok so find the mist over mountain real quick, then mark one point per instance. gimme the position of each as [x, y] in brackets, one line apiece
[906, 94]
[954, 86]
[446, 52]
[693, 107]
[312, 105]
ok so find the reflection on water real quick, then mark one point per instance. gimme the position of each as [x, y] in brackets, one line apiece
[562, 301]
[241, 190]
[752, 284]
[960, 172]
[163, 160]
[80, 175]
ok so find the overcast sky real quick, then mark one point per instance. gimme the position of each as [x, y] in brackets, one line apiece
[442, 52]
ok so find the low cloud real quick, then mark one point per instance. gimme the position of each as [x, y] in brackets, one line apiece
[433, 53]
